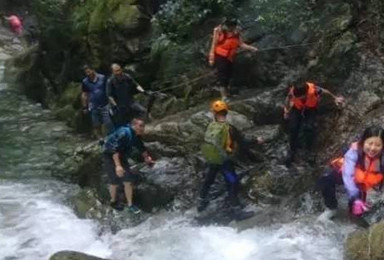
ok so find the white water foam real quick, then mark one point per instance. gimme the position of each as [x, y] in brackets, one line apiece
[177, 240]
[33, 225]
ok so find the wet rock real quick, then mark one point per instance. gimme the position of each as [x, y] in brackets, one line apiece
[176, 176]
[84, 167]
[276, 182]
[149, 196]
[376, 212]
[72, 255]
[86, 205]
[264, 108]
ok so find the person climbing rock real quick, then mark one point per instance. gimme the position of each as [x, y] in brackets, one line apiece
[225, 42]
[94, 101]
[118, 146]
[360, 169]
[121, 88]
[15, 24]
[218, 149]
[300, 110]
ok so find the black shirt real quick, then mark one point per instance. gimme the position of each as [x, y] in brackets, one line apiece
[122, 89]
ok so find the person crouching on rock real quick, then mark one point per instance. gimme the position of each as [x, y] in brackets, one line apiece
[225, 42]
[300, 110]
[117, 148]
[360, 169]
[217, 150]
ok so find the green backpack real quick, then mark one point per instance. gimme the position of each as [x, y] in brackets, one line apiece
[214, 141]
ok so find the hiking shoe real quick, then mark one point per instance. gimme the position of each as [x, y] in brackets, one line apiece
[327, 215]
[202, 205]
[133, 209]
[117, 206]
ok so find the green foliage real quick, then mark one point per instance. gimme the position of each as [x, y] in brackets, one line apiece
[53, 21]
[280, 15]
[177, 18]
[81, 15]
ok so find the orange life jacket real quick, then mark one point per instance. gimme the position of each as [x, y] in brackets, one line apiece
[311, 98]
[368, 175]
[227, 46]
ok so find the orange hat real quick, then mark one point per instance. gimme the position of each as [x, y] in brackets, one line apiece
[218, 106]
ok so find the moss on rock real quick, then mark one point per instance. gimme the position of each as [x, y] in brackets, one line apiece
[367, 244]
[71, 255]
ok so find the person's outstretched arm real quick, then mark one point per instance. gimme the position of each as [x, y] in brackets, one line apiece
[248, 47]
[211, 55]
[109, 93]
[348, 174]
[339, 100]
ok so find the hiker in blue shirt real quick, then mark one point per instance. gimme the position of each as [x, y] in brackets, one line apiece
[94, 100]
[117, 148]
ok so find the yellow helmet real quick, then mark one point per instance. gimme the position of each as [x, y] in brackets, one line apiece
[218, 106]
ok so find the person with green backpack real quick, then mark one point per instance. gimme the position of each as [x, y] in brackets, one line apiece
[218, 150]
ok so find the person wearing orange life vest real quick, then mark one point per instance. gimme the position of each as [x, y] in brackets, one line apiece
[360, 169]
[226, 40]
[300, 110]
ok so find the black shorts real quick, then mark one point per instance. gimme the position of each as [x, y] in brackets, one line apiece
[109, 168]
[224, 70]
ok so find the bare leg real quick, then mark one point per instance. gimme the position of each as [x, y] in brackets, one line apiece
[128, 190]
[224, 92]
[98, 132]
[113, 192]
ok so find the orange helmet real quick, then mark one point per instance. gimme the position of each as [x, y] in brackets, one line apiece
[218, 106]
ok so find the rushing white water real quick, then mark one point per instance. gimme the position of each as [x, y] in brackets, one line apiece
[176, 239]
[35, 221]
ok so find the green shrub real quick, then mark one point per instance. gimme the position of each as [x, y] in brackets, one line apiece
[177, 18]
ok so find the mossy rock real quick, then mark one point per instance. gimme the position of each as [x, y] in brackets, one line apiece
[83, 202]
[357, 246]
[66, 113]
[72, 255]
[376, 241]
[127, 17]
[343, 44]
[71, 95]
[117, 13]
[367, 244]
